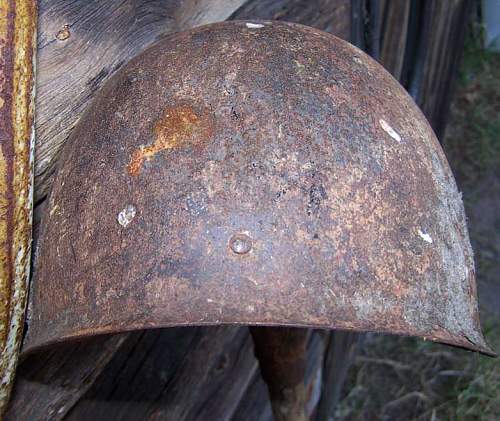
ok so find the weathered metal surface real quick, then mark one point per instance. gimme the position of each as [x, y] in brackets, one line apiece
[274, 134]
[17, 47]
[83, 43]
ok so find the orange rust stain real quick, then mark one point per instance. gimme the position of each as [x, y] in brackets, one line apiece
[178, 126]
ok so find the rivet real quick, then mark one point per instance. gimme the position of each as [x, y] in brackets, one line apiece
[126, 215]
[240, 243]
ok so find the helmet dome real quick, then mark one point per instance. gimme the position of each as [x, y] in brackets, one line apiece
[257, 173]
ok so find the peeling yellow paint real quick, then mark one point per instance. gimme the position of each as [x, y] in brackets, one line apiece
[4, 271]
[17, 35]
[4, 257]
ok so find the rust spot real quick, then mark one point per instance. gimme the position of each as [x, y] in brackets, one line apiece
[178, 126]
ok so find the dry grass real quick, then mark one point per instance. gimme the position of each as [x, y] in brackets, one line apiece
[409, 379]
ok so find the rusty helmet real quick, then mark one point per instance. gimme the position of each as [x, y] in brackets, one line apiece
[257, 173]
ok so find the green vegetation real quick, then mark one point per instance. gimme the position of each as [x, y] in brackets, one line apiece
[472, 142]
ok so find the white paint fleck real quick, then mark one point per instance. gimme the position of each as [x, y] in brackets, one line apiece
[388, 129]
[251, 308]
[357, 60]
[424, 236]
[53, 210]
[209, 300]
[254, 25]
[126, 215]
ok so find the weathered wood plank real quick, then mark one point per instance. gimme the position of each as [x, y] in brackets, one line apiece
[208, 378]
[252, 407]
[395, 16]
[46, 388]
[174, 374]
[341, 348]
[439, 53]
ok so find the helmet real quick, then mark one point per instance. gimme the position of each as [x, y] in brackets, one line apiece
[256, 173]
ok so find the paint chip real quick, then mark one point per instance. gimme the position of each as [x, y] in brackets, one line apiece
[424, 236]
[126, 215]
[64, 33]
[388, 129]
[53, 210]
[254, 25]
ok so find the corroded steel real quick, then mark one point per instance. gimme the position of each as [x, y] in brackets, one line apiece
[17, 48]
[257, 173]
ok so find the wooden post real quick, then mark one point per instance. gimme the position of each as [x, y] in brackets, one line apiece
[282, 357]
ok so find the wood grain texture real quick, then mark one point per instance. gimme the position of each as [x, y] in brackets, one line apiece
[54, 383]
[186, 374]
[341, 347]
[439, 53]
[394, 16]
[173, 374]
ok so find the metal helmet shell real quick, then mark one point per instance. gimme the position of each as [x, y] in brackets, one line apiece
[256, 173]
